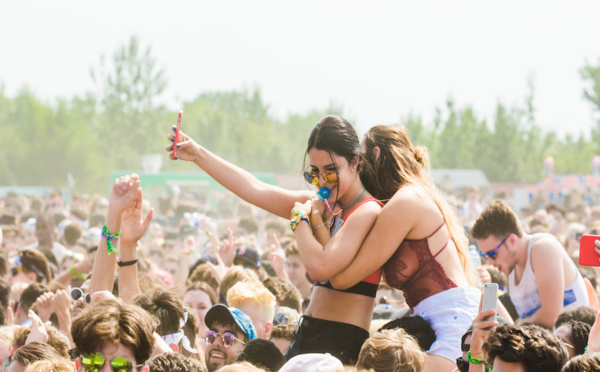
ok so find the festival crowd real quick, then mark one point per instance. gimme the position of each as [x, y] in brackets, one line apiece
[370, 267]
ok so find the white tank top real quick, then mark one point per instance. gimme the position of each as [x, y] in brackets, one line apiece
[525, 295]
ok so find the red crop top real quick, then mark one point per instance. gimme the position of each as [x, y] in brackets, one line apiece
[415, 271]
[367, 286]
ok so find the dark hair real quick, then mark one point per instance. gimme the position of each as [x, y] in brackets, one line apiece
[335, 134]
[581, 313]
[287, 332]
[72, 233]
[580, 332]
[174, 362]
[583, 363]
[164, 305]
[415, 326]
[285, 293]
[36, 262]
[116, 322]
[262, 354]
[536, 348]
[5, 290]
[30, 295]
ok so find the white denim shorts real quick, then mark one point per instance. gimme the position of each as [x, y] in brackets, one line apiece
[450, 313]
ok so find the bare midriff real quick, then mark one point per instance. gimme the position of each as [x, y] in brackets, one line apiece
[337, 306]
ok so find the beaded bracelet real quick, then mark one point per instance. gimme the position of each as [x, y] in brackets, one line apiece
[477, 360]
[296, 218]
[114, 237]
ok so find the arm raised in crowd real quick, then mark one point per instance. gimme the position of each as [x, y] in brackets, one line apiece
[133, 227]
[124, 191]
[273, 199]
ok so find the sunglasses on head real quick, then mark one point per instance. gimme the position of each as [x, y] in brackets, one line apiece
[227, 337]
[95, 361]
[329, 176]
[77, 293]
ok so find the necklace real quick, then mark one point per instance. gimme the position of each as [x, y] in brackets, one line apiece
[341, 206]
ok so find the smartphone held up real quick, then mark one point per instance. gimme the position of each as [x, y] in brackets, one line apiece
[177, 129]
[587, 251]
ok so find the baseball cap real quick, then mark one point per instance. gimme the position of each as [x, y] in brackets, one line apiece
[249, 255]
[313, 362]
[228, 314]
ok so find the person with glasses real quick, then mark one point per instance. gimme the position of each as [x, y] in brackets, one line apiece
[543, 281]
[113, 336]
[419, 242]
[336, 321]
[229, 329]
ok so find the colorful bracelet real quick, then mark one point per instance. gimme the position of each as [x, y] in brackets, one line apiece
[296, 218]
[109, 239]
[477, 360]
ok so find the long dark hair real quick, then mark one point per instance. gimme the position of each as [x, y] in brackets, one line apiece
[335, 134]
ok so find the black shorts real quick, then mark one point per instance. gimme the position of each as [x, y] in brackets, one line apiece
[342, 340]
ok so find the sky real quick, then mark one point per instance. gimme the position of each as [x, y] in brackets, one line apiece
[380, 60]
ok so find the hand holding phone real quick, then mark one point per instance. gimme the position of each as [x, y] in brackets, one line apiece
[177, 129]
[587, 250]
[490, 299]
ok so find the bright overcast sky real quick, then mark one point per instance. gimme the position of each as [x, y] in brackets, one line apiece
[379, 59]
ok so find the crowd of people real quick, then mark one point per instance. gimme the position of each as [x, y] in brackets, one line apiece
[371, 267]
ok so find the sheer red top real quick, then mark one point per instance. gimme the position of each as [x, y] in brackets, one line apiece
[414, 270]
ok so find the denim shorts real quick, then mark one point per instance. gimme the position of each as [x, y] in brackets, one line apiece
[341, 340]
[450, 313]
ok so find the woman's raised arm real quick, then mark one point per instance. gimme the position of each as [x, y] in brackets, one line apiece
[273, 199]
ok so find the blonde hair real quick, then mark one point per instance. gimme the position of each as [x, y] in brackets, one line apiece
[236, 274]
[391, 351]
[53, 365]
[400, 164]
[254, 293]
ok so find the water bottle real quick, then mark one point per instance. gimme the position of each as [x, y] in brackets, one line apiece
[474, 254]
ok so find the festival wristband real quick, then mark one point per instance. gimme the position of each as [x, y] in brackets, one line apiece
[296, 218]
[476, 360]
[109, 239]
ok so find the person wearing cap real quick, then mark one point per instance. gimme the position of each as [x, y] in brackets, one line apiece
[229, 329]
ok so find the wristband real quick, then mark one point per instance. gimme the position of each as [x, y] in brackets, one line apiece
[114, 237]
[296, 218]
[74, 274]
[127, 263]
[476, 360]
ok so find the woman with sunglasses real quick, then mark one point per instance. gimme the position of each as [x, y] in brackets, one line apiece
[420, 243]
[335, 321]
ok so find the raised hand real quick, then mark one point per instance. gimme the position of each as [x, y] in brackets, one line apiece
[124, 191]
[133, 224]
[187, 148]
[302, 207]
[227, 250]
[277, 258]
[45, 306]
[38, 330]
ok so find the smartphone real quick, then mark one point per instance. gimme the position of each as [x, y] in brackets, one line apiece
[587, 251]
[490, 298]
[177, 129]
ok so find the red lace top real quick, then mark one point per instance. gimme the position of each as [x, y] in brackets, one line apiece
[415, 271]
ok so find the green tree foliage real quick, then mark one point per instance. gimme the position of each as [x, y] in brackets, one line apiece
[98, 132]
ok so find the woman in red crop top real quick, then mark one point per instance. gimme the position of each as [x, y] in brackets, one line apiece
[335, 321]
[420, 243]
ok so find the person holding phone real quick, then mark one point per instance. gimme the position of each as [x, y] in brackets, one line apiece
[543, 281]
[336, 321]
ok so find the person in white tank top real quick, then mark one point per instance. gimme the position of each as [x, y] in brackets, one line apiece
[543, 280]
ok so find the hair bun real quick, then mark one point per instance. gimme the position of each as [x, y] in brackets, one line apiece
[421, 155]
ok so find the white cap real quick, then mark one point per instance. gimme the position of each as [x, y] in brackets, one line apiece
[314, 363]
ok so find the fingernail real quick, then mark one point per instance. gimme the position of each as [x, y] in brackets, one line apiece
[174, 129]
[176, 158]
[171, 148]
[178, 146]
[172, 139]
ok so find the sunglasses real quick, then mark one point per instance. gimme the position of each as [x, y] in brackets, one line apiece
[227, 337]
[95, 361]
[15, 270]
[77, 293]
[329, 176]
[463, 365]
[493, 253]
